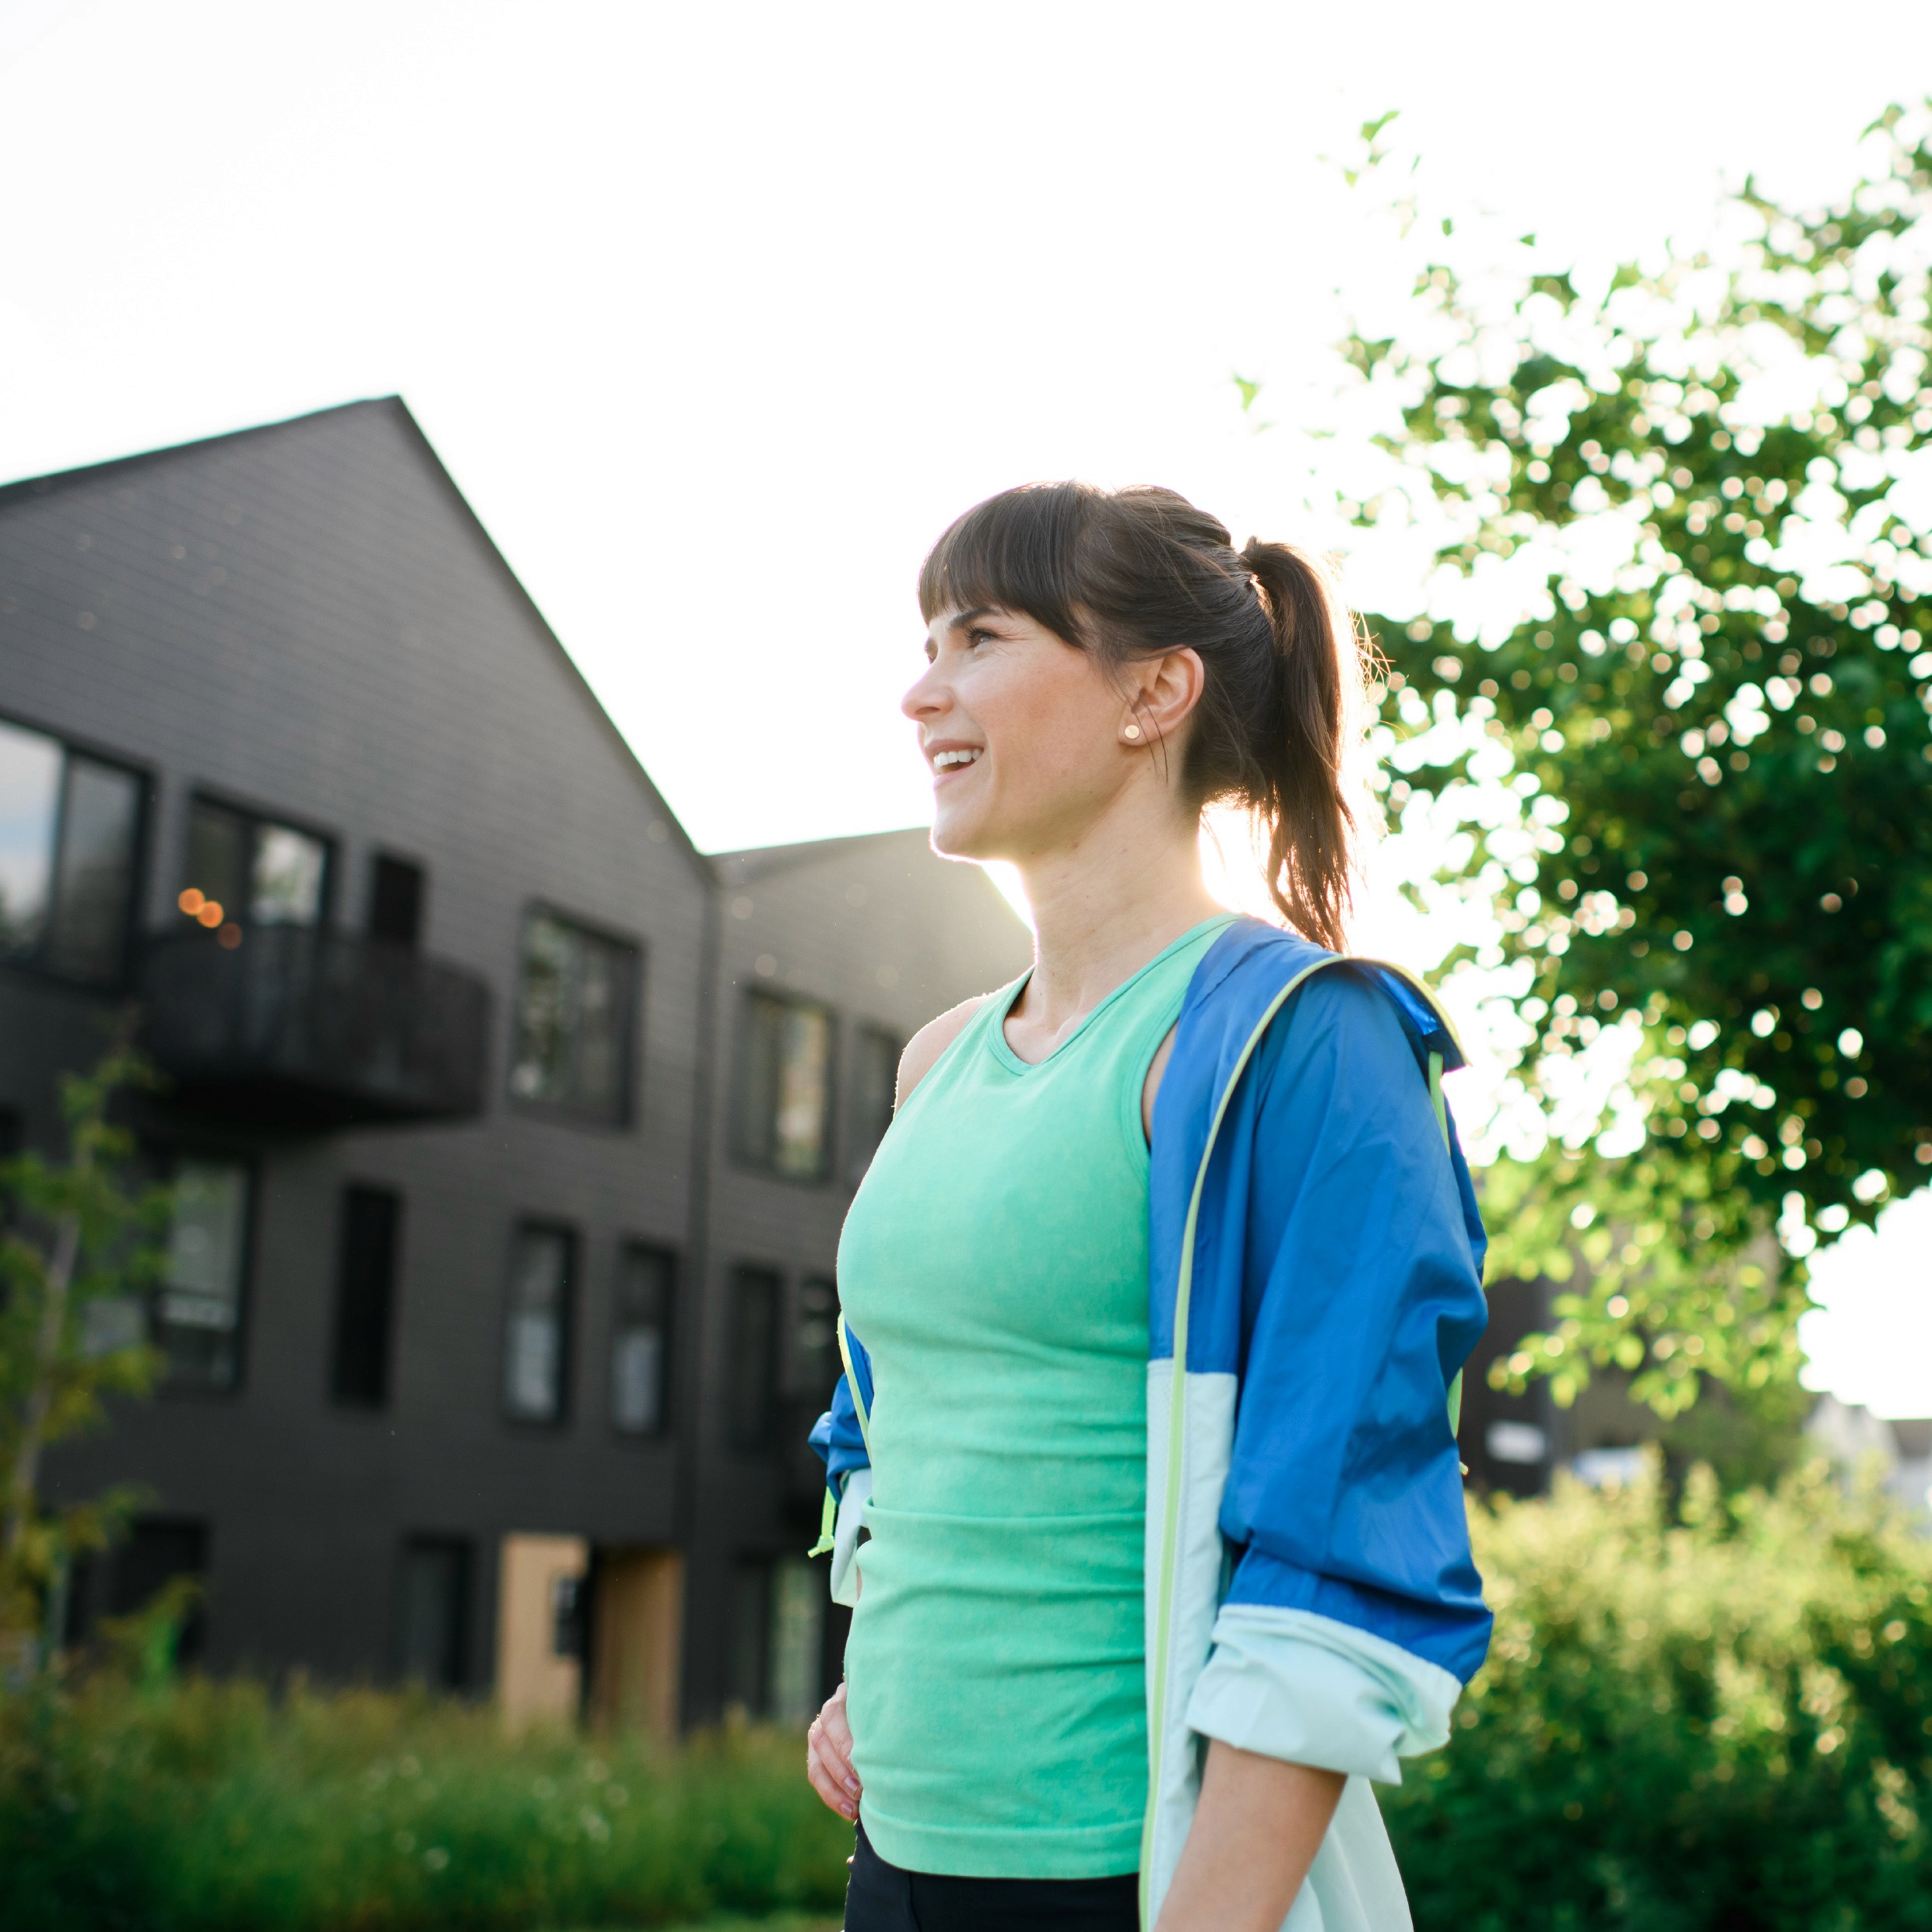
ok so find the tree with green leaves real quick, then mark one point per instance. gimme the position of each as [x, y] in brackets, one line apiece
[80, 1252]
[1692, 763]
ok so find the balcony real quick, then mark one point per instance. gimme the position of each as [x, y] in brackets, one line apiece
[298, 1028]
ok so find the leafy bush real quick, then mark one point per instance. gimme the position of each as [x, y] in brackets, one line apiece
[211, 1806]
[1700, 1715]
[1704, 1716]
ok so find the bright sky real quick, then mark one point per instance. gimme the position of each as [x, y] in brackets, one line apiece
[1870, 1338]
[718, 315]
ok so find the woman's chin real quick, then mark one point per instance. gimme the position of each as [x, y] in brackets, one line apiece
[964, 835]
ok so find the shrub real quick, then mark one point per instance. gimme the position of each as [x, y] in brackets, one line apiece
[1713, 1716]
[211, 1806]
[1699, 1715]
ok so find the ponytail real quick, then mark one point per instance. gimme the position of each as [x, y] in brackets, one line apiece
[1136, 573]
[1299, 752]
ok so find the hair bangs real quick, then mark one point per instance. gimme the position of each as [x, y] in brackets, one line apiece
[1018, 550]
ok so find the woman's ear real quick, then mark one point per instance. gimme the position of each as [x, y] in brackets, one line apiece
[1162, 692]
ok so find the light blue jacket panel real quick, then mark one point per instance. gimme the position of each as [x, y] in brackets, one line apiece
[1311, 1691]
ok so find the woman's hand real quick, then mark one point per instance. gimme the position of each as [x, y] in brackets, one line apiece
[828, 1757]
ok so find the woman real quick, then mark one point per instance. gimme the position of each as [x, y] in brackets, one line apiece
[1129, 1643]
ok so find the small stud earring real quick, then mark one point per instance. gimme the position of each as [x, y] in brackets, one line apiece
[1133, 731]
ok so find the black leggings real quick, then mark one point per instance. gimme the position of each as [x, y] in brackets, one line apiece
[881, 1898]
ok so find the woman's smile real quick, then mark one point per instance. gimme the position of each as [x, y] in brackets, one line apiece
[950, 758]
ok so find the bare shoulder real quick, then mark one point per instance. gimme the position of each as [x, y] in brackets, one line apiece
[924, 1048]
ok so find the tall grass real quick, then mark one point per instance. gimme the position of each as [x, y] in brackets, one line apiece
[212, 1806]
[1700, 1714]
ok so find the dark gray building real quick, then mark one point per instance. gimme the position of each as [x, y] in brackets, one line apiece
[509, 1135]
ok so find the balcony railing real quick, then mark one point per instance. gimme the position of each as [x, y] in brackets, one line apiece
[302, 1028]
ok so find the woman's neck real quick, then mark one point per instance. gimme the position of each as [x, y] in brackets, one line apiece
[1102, 907]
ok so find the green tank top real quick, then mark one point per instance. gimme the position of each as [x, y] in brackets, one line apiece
[994, 1264]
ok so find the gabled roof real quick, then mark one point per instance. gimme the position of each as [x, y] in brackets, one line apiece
[34, 488]
[112, 466]
[913, 842]
[758, 862]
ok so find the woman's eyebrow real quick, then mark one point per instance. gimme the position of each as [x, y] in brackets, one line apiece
[961, 620]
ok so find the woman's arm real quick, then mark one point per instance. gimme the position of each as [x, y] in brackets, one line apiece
[1255, 1832]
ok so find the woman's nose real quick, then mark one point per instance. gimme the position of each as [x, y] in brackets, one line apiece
[925, 699]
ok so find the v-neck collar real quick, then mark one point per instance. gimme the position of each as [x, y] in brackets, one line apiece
[1003, 1052]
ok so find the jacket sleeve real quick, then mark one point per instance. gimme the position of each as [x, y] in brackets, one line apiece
[839, 1442]
[839, 1438]
[1354, 1613]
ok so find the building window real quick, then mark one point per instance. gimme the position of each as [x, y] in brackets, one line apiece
[158, 1551]
[69, 827]
[365, 1297]
[197, 1312]
[536, 1352]
[748, 1684]
[875, 1080]
[778, 1638]
[396, 893]
[570, 1618]
[640, 1341]
[752, 1391]
[244, 870]
[798, 1640]
[575, 995]
[784, 1092]
[815, 1363]
[433, 1611]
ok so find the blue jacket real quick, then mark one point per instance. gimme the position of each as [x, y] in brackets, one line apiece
[1315, 1245]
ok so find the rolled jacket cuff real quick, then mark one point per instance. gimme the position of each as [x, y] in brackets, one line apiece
[1287, 1683]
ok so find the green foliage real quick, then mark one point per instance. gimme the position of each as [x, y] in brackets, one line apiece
[1666, 1282]
[79, 1239]
[1708, 482]
[1746, 1443]
[1697, 1715]
[1717, 1718]
[195, 1807]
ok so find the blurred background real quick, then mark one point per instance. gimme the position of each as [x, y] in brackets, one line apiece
[463, 470]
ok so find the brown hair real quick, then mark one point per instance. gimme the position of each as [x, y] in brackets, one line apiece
[1136, 573]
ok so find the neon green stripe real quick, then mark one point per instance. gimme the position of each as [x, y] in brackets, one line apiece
[1177, 1398]
[1442, 1120]
[851, 1382]
[1177, 1432]
[827, 1526]
[1423, 987]
[828, 1515]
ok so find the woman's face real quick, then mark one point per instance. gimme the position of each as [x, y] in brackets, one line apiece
[1024, 735]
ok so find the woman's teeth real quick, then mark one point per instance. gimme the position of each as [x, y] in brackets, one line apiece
[945, 760]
